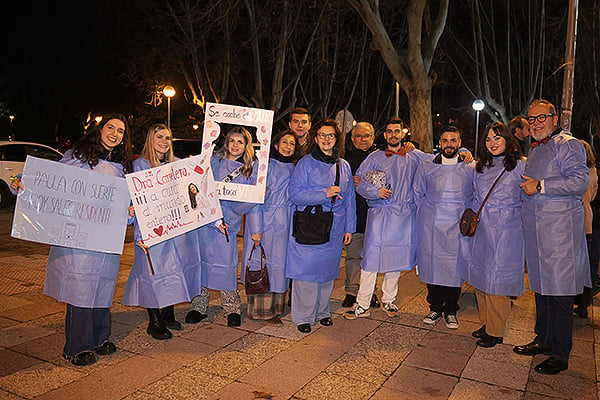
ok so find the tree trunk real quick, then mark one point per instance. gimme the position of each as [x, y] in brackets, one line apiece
[419, 103]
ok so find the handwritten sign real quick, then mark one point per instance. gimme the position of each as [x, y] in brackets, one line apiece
[175, 198]
[242, 116]
[69, 206]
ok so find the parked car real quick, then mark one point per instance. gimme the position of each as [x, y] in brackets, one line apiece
[12, 161]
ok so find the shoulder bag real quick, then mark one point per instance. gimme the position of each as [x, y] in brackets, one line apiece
[470, 218]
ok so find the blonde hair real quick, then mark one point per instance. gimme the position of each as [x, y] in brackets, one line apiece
[248, 155]
[148, 151]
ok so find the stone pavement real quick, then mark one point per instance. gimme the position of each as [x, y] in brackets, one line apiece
[377, 358]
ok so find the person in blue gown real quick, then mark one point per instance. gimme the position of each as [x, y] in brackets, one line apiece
[494, 256]
[313, 268]
[86, 279]
[269, 223]
[443, 189]
[234, 162]
[555, 179]
[176, 261]
[386, 182]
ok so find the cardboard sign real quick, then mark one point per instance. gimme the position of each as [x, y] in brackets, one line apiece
[262, 120]
[174, 198]
[69, 206]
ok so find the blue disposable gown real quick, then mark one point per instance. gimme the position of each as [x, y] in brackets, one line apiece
[177, 267]
[308, 186]
[272, 220]
[494, 256]
[390, 232]
[555, 246]
[442, 192]
[83, 278]
[219, 257]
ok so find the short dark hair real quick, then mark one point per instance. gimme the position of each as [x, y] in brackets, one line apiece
[394, 120]
[517, 122]
[452, 129]
[300, 111]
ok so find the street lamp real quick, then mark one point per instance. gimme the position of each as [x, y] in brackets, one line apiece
[169, 91]
[11, 117]
[477, 105]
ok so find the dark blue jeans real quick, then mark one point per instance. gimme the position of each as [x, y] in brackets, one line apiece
[554, 324]
[85, 329]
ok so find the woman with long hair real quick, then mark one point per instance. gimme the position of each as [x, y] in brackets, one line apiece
[269, 223]
[494, 255]
[86, 279]
[234, 163]
[313, 268]
[177, 264]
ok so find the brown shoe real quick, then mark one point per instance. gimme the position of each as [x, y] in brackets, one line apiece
[274, 321]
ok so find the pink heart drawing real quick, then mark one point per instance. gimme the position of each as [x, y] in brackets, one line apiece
[265, 142]
[213, 211]
[263, 167]
[159, 230]
[262, 129]
[261, 180]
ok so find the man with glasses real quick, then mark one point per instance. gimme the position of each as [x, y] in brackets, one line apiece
[386, 178]
[363, 136]
[555, 178]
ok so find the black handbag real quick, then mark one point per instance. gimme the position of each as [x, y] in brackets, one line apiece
[313, 228]
[257, 282]
[470, 218]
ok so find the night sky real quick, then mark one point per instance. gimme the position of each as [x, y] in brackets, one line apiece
[54, 69]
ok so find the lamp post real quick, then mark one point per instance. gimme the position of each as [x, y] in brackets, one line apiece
[169, 91]
[11, 117]
[477, 105]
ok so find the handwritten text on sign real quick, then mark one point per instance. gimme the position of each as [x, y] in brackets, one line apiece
[175, 198]
[241, 116]
[73, 207]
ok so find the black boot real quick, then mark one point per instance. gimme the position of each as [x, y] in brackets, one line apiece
[156, 327]
[167, 314]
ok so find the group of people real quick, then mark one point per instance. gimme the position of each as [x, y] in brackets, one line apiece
[394, 209]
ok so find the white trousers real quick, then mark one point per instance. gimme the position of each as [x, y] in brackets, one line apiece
[367, 286]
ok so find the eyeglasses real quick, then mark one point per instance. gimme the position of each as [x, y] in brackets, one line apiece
[539, 118]
[324, 135]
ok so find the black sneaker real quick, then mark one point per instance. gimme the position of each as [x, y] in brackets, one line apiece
[375, 302]
[349, 301]
[82, 359]
[106, 348]
[193, 317]
[234, 319]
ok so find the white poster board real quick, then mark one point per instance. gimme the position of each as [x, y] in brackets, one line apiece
[174, 198]
[70, 206]
[258, 118]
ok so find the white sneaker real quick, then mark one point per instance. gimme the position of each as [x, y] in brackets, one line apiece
[451, 322]
[390, 309]
[432, 318]
[357, 312]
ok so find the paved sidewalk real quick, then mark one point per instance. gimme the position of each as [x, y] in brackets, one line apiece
[377, 358]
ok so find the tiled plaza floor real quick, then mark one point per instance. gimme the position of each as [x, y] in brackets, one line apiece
[377, 358]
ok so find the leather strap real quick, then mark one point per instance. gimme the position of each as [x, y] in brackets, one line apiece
[490, 191]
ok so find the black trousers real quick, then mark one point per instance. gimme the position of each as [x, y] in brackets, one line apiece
[85, 329]
[554, 324]
[443, 299]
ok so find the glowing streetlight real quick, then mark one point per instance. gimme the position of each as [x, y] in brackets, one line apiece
[477, 105]
[11, 117]
[169, 91]
[98, 118]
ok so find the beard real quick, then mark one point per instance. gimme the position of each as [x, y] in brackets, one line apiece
[454, 151]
